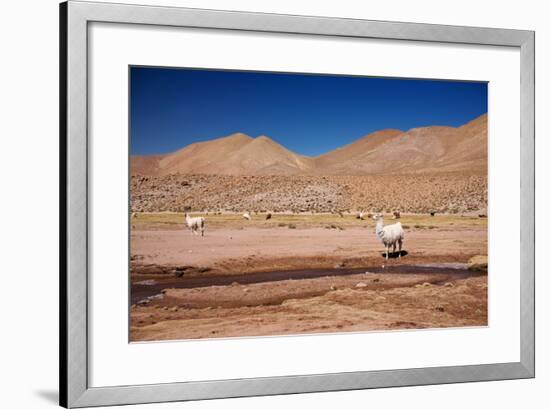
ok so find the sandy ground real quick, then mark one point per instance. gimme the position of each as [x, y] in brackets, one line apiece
[318, 275]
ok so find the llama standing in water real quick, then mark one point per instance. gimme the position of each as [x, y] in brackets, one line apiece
[195, 223]
[389, 235]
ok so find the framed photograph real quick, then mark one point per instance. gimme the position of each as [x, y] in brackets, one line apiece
[257, 204]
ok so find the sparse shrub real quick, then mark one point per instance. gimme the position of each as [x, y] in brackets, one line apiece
[420, 194]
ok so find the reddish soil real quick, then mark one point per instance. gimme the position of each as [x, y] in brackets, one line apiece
[357, 302]
[272, 281]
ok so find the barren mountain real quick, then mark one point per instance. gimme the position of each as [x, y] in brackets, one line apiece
[419, 150]
[236, 154]
[427, 149]
[260, 155]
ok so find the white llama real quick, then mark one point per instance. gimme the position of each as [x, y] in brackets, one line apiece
[195, 223]
[389, 235]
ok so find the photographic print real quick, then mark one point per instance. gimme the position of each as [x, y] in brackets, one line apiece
[269, 204]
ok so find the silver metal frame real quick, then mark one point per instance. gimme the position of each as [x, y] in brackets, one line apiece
[74, 18]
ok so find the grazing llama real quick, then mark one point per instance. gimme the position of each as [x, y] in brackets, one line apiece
[195, 223]
[247, 216]
[389, 235]
[360, 216]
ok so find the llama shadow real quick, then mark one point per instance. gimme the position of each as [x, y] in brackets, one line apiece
[395, 254]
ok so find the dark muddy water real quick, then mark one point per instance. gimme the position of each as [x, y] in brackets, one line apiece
[147, 288]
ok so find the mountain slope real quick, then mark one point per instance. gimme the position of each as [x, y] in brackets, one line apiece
[144, 164]
[236, 154]
[261, 155]
[202, 154]
[427, 149]
[410, 151]
[470, 148]
[419, 150]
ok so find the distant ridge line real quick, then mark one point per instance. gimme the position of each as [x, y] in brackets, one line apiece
[418, 150]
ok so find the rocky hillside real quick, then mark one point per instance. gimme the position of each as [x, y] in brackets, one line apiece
[422, 193]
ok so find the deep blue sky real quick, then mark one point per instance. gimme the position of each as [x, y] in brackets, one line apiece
[309, 114]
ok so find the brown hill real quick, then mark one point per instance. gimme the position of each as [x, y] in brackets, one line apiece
[470, 147]
[236, 154]
[259, 156]
[359, 157]
[144, 165]
[419, 150]
[190, 158]
[196, 158]
[428, 149]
